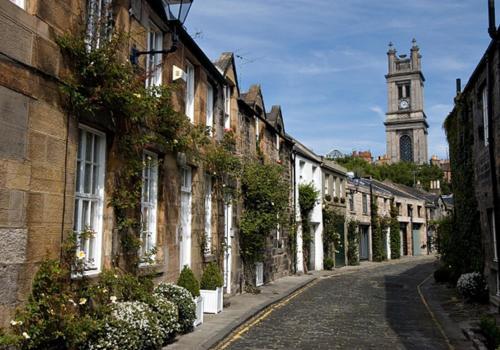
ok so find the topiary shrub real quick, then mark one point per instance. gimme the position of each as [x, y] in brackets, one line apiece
[328, 264]
[183, 299]
[473, 287]
[211, 278]
[188, 280]
[132, 325]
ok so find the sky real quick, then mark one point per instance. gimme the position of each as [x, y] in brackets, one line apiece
[324, 61]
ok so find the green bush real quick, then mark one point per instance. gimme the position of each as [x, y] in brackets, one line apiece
[442, 274]
[490, 330]
[132, 325]
[211, 278]
[188, 280]
[181, 297]
[328, 264]
[352, 243]
[395, 237]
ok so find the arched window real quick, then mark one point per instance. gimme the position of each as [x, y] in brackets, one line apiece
[405, 149]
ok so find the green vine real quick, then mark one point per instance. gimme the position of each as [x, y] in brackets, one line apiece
[104, 88]
[352, 242]
[265, 199]
[379, 225]
[308, 198]
[395, 236]
[333, 225]
[462, 251]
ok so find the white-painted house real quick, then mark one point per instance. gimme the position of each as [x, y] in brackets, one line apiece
[307, 169]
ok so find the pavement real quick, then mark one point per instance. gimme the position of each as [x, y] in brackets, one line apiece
[373, 305]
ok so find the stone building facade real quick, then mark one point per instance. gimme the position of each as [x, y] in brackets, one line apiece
[406, 123]
[334, 196]
[43, 151]
[477, 118]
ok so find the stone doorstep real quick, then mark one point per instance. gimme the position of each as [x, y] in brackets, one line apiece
[246, 306]
[473, 336]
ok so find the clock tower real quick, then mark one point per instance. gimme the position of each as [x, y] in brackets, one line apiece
[406, 123]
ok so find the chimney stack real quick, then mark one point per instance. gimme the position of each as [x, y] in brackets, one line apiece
[492, 28]
[459, 86]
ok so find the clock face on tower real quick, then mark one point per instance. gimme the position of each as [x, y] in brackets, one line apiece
[404, 104]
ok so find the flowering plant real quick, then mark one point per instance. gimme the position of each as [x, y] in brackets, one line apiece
[183, 299]
[472, 286]
[131, 325]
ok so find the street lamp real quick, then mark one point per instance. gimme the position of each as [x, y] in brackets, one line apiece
[176, 12]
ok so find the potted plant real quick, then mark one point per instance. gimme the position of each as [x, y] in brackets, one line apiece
[336, 199]
[188, 280]
[211, 289]
[328, 198]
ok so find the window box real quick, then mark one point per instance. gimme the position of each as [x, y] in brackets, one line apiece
[199, 311]
[212, 300]
[342, 200]
[336, 199]
[328, 198]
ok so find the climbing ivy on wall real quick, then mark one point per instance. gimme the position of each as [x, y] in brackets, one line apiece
[102, 87]
[395, 237]
[463, 250]
[378, 226]
[308, 197]
[265, 194]
[352, 243]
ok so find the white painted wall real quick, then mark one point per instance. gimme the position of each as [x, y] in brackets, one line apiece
[306, 174]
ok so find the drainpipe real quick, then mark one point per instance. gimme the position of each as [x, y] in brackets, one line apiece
[493, 32]
[294, 183]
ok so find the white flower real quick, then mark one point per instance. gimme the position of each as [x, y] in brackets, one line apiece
[113, 299]
[80, 255]
[72, 301]
[175, 141]
[137, 95]
[104, 290]
[16, 323]
[82, 301]
[26, 335]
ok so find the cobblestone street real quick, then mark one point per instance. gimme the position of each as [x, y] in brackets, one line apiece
[378, 308]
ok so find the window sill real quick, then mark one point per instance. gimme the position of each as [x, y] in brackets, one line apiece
[151, 269]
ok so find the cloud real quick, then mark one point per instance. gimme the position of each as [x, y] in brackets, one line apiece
[378, 110]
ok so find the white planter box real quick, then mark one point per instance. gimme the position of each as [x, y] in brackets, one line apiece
[199, 311]
[212, 300]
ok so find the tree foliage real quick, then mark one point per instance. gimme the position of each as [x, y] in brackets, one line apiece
[405, 173]
[460, 243]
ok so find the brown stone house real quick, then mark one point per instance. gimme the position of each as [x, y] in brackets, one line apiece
[47, 155]
[473, 130]
[334, 197]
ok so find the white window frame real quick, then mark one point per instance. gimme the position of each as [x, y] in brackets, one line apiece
[257, 129]
[149, 204]
[208, 214]
[485, 115]
[93, 198]
[334, 186]
[98, 12]
[493, 230]
[227, 106]
[154, 61]
[210, 108]
[364, 204]
[190, 91]
[20, 3]
[278, 142]
[327, 184]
